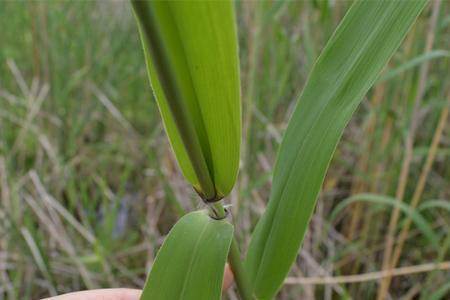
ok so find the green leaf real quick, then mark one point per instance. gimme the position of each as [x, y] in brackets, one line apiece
[440, 293]
[433, 204]
[415, 62]
[191, 262]
[348, 66]
[192, 59]
[415, 215]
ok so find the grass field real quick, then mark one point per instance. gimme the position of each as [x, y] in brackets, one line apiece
[89, 185]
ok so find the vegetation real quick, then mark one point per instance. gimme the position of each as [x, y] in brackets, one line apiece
[82, 152]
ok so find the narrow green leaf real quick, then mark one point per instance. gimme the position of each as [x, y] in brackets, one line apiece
[191, 262]
[415, 62]
[348, 66]
[433, 204]
[416, 217]
[192, 60]
[440, 293]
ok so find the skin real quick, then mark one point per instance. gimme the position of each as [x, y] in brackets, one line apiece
[103, 294]
[125, 294]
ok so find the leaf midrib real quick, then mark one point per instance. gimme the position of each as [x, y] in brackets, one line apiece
[191, 261]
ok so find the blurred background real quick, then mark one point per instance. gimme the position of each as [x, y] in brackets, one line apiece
[89, 186]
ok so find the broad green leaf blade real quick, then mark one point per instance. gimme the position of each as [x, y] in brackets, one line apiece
[348, 66]
[200, 100]
[191, 262]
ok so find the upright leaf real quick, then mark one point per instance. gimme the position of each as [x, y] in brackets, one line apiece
[192, 59]
[190, 263]
[349, 64]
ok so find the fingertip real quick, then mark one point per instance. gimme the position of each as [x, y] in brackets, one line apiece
[130, 294]
[101, 294]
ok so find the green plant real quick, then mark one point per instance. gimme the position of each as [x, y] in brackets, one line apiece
[191, 54]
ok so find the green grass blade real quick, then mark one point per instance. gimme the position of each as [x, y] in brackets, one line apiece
[348, 66]
[415, 215]
[191, 54]
[433, 204]
[191, 262]
[415, 62]
[440, 293]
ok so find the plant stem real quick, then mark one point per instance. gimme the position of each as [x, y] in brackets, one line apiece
[217, 210]
[240, 277]
[234, 256]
